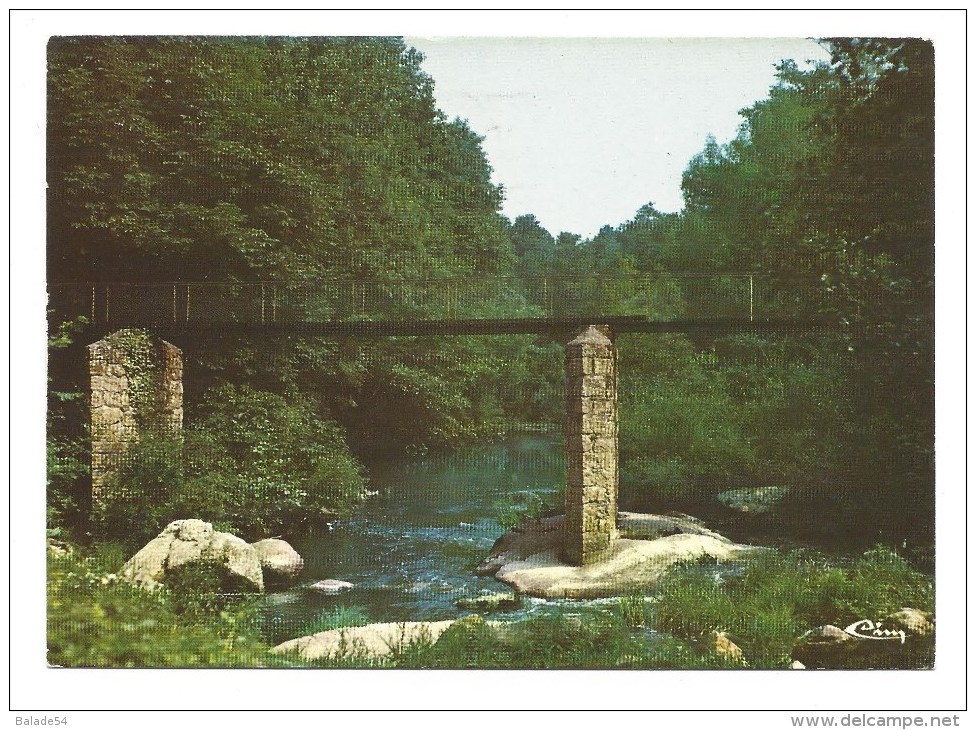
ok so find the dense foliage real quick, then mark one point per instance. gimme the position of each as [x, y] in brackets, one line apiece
[825, 196]
[298, 160]
[833, 176]
[237, 467]
[67, 450]
[294, 161]
[302, 160]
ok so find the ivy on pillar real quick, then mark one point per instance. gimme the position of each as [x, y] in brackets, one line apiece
[136, 389]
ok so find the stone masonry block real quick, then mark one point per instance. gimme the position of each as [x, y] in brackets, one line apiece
[596, 386]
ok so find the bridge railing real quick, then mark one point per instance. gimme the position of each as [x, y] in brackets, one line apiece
[656, 297]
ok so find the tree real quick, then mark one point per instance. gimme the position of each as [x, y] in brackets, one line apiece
[297, 161]
[831, 179]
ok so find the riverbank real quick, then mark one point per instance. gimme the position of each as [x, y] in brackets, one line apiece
[699, 615]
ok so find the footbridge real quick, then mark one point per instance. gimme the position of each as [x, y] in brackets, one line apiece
[588, 311]
[685, 302]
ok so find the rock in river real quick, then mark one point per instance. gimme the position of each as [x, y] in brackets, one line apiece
[527, 557]
[756, 501]
[280, 561]
[490, 602]
[330, 586]
[374, 641]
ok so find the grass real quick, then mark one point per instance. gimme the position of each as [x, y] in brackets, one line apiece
[588, 639]
[763, 609]
[97, 620]
[338, 617]
[778, 597]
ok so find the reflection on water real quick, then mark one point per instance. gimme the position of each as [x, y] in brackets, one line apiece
[410, 551]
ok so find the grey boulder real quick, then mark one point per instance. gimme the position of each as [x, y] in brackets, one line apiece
[280, 561]
[185, 542]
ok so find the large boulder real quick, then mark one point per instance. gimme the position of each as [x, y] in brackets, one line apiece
[280, 561]
[823, 646]
[184, 542]
[527, 557]
[528, 538]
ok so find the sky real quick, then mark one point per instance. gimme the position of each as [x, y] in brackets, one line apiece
[581, 132]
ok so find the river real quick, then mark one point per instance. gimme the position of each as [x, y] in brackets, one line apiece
[411, 549]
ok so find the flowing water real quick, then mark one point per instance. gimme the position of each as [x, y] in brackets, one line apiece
[411, 549]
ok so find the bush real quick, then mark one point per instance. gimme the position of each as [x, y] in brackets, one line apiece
[656, 479]
[681, 433]
[281, 461]
[68, 456]
[68, 483]
[255, 465]
[526, 505]
[97, 620]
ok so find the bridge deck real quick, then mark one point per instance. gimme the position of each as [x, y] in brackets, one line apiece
[421, 328]
[505, 305]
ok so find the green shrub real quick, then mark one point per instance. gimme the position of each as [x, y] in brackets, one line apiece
[656, 478]
[68, 457]
[527, 505]
[203, 588]
[95, 619]
[280, 461]
[137, 501]
[681, 432]
[256, 465]
[68, 481]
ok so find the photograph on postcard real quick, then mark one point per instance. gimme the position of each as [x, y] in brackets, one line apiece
[474, 353]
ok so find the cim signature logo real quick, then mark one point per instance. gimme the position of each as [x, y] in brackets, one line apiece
[868, 629]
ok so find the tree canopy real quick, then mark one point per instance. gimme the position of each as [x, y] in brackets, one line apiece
[259, 158]
[304, 160]
[827, 190]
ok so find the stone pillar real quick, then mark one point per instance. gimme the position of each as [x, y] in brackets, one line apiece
[136, 388]
[591, 448]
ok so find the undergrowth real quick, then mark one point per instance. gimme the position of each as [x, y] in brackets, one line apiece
[775, 598]
[96, 619]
